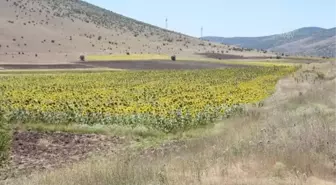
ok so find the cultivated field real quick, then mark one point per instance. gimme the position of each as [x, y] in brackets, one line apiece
[172, 97]
[163, 100]
[238, 135]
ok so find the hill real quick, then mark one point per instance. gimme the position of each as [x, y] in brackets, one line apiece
[59, 31]
[304, 41]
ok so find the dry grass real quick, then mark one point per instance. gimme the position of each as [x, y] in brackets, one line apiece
[291, 141]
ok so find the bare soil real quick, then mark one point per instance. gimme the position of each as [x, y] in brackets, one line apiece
[306, 60]
[32, 151]
[161, 65]
[130, 65]
[44, 66]
[251, 58]
[230, 56]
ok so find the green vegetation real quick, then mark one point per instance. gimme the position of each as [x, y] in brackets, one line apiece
[5, 139]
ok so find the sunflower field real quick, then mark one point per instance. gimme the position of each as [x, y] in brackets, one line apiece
[166, 100]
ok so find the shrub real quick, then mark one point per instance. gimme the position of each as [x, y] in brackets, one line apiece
[82, 58]
[320, 75]
[173, 58]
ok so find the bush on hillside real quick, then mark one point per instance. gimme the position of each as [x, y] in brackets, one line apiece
[82, 58]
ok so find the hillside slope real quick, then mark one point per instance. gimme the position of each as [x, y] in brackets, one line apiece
[59, 31]
[307, 41]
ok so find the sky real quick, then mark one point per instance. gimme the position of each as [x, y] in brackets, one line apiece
[227, 18]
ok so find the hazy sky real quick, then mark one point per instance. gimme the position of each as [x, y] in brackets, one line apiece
[227, 17]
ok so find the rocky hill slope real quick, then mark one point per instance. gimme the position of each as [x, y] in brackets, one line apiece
[57, 31]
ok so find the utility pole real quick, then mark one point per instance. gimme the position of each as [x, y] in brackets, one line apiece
[202, 31]
[166, 23]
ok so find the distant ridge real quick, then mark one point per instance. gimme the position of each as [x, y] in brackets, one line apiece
[313, 41]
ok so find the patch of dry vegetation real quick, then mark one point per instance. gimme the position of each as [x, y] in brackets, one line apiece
[291, 141]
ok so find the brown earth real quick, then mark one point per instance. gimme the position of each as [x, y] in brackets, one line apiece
[221, 56]
[44, 66]
[161, 65]
[251, 58]
[129, 65]
[33, 151]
